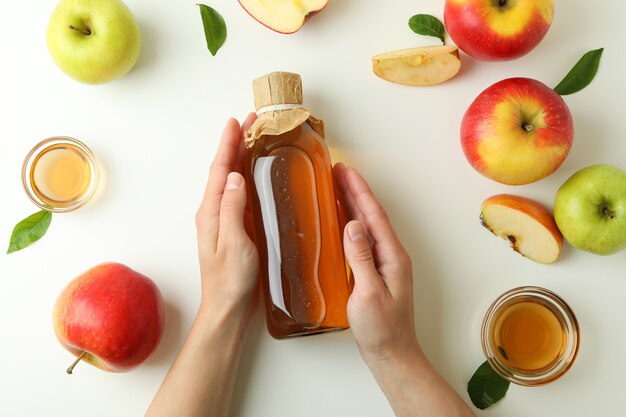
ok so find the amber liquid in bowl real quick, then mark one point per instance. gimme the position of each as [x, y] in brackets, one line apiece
[529, 336]
[60, 175]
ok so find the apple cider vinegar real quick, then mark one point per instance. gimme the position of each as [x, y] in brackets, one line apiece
[530, 336]
[60, 174]
[298, 229]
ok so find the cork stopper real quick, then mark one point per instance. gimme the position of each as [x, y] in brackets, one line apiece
[277, 88]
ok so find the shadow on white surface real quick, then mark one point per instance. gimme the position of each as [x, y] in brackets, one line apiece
[149, 48]
[468, 66]
[171, 340]
[590, 139]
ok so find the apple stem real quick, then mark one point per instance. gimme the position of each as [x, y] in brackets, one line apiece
[502, 3]
[608, 213]
[85, 32]
[528, 127]
[78, 359]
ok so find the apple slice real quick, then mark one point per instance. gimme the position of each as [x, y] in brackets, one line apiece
[426, 65]
[526, 224]
[283, 16]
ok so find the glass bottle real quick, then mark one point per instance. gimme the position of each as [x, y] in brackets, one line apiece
[297, 228]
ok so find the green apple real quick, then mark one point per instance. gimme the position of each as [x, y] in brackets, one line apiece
[93, 41]
[590, 209]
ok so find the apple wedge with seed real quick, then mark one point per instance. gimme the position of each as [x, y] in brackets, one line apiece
[526, 224]
[427, 65]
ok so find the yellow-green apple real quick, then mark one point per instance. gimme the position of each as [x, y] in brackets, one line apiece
[590, 209]
[525, 224]
[494, 30]
[283, 16]
[93, 41]
[517, 131]
[427, 65]
[110, 316]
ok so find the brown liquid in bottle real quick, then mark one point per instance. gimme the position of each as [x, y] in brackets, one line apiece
[298, 233]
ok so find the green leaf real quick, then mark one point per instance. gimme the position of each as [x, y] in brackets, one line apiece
[582, 74]
[486, 387]
[29, 230]
[214, 28]
[425, 24]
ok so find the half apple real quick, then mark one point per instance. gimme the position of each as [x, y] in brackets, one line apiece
[283, 16]
[427, 65]
[526, 224]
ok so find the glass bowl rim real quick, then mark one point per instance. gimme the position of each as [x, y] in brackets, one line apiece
[37, 150]
[567, 317]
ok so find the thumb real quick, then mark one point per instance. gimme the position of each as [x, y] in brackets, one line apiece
[360, 257]
[233, 205]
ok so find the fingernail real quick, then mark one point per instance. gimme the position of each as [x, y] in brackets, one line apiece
[233, 181]
[356, 231]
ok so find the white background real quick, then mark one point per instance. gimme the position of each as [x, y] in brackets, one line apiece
[155, 132]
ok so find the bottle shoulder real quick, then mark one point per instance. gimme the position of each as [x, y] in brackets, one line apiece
[302, 137]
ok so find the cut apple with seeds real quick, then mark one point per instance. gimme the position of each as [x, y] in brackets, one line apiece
[283, 16]
[526, 224]
[427, 65]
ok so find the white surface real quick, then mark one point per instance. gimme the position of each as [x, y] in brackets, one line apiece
[155, 132]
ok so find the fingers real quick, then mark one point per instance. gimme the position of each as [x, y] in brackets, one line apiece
[346, 197]
[359, 254]
[248, 219]
[208, 215]
[248, 122]
[232, 209]
[373, 216]
[242, 149]
[229, 157]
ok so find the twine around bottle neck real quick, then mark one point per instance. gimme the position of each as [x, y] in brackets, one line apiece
[278, 107]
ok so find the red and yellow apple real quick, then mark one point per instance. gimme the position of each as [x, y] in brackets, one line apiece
[525, 224]
[495, 30]
[283, 16]
[517, 131]
[110, 316]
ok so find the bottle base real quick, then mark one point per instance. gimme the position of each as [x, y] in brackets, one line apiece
[308, 332]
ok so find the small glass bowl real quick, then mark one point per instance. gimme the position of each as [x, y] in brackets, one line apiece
[44, 146]
[568, 323]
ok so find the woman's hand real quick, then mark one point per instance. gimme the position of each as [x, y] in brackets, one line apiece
[229, 261]
[201, 380]
[380, 309]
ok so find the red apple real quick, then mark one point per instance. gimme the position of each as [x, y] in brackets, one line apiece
[496, 30]
[283, 16]
[525, 224]
[110, 316]
[517, 131]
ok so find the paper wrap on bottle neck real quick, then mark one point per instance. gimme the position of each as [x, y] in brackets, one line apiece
[278, 122]
[278, 101]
